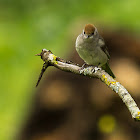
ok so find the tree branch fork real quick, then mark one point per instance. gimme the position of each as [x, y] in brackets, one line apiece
[52, 60]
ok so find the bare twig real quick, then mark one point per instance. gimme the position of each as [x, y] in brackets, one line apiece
[51, 60]
[42, 72]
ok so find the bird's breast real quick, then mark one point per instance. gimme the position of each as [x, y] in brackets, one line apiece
[90, 52]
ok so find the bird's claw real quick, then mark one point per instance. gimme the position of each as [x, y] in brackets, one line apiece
[90, 69]
[96, 69]
[84, 66]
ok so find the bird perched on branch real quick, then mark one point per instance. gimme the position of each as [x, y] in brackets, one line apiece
[92, 49]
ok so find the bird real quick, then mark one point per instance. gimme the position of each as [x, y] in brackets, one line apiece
[91, 47]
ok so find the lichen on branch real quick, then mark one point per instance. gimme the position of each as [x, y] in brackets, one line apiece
[52, 60]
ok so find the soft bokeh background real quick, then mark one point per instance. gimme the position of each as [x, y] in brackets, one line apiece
[66, 106]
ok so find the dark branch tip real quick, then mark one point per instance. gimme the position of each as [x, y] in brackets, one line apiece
[39, 54]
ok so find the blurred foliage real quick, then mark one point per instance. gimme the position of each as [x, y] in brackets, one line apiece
[106, 124]
[28, 26]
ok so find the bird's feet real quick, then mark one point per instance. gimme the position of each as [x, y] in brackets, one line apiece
[96, 69]
[85, 65]
[85, 68]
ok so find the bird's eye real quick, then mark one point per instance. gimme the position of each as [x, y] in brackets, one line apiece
[93, 33]
[84, 33]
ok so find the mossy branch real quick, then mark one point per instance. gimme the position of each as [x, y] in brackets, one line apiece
[51, 60]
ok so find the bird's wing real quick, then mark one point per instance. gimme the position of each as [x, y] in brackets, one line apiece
[105, 50]
[104, 47]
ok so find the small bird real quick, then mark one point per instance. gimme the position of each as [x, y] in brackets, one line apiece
[92, 49]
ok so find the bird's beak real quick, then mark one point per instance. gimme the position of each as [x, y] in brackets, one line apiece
[87, 36]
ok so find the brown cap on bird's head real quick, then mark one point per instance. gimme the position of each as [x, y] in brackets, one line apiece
[89, 29]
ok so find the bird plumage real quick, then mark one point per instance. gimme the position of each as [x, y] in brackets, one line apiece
[92, 49]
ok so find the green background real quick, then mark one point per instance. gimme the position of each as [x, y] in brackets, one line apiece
[26, 27]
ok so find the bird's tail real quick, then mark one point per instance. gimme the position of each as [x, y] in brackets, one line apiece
[108, 70]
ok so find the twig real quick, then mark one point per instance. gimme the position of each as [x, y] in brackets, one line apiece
[51, 60]
[42, 72]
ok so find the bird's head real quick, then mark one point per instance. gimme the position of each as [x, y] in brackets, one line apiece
[89, 31]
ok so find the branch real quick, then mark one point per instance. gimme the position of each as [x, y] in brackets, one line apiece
[51, 60]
